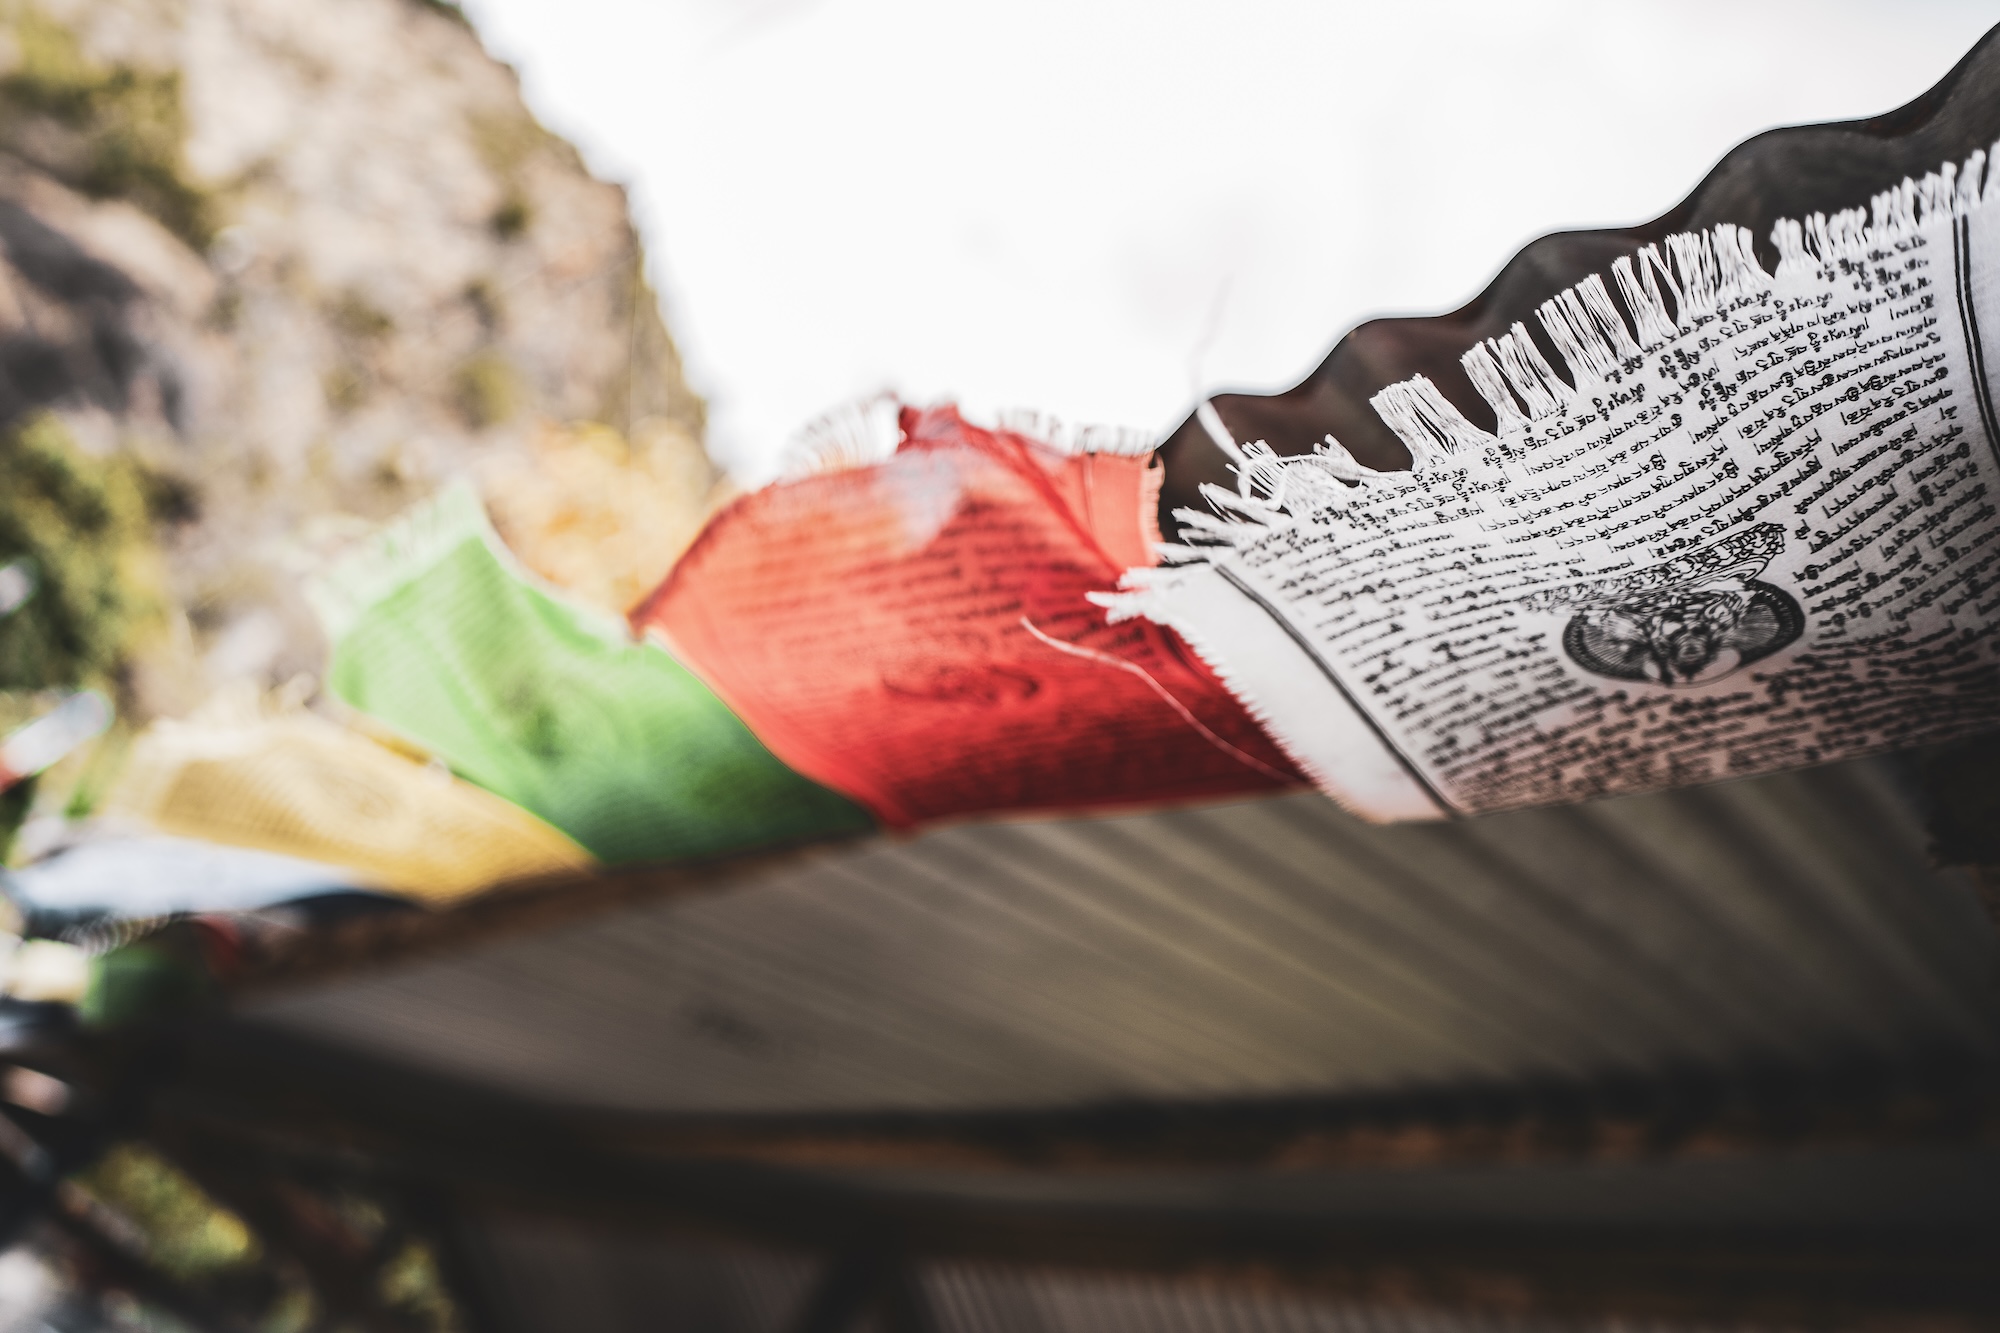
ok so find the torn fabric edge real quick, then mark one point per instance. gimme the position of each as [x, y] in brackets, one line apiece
[869, 431]
[1070, 438]
[1665, 289]
[852, 435]
[407, 547]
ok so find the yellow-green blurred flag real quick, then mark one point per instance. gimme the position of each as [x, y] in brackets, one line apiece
[306, 787]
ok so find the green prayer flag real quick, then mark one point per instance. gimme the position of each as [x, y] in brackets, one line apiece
[437, 633]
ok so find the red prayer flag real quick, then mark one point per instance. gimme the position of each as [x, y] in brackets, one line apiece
[915, 633]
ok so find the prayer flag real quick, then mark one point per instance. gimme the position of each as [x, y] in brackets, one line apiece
[914, 631]
[303, 787]
[1734, 514]
[439, 635]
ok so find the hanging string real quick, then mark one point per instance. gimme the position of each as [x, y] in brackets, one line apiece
[1106, 659]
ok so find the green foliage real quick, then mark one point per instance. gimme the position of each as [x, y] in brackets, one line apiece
[98, 769]
[52, 75]
[15, 804]
[188, 1235]
[447, 9]
[129, 122]
[486, 390]
[154, 980]
[346, 388]
[510, 221]
[485, 302]
[506, 140]
[355, 316]
[85, 525]
[505, 143]
[411, 1283]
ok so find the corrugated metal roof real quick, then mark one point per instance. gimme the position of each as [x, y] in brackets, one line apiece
[553, 1275]
[980, 1299]
[1265, 948]
[1935, 1188]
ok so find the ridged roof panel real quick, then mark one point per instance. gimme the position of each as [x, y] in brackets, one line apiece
[1266, 948]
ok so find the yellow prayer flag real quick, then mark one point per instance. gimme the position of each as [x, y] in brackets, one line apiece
[300, 785]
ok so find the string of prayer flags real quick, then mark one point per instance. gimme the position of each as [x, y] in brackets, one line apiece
[912, 628]
[437, 634]
[1747, 523]
[301, 786]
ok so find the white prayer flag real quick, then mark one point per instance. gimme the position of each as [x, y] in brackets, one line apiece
[1754, 528]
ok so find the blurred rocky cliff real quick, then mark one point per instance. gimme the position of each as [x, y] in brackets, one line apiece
[279, 268]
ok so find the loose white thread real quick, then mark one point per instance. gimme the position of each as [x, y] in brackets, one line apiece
[1106, 659]
[1699, 272]
[1211, 421]
[1067, 438]
[853, 435]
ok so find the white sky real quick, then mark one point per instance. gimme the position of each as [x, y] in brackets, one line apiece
[1088, 206]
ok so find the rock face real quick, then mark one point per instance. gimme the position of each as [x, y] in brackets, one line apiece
[303, 262]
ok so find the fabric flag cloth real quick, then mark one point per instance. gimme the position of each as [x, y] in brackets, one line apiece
[1742, 521]
[438, 634]
[303, 787]
[914, 631]
[140, 877]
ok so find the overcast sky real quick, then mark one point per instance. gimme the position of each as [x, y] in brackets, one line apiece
[1091, 206]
